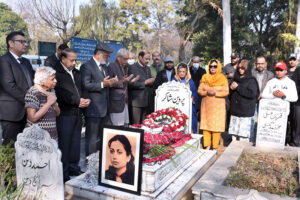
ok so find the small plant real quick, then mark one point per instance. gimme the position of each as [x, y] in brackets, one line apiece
[8, 189]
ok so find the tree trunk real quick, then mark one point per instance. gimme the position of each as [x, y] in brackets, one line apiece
[181, 54]
[297, 48]
[226, 32]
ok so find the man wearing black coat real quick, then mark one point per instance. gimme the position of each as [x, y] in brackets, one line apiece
[16, 75]
[167, 74]
[52, 60]
[70, 100]
[96, 82]
[118, 93]
[139, 91]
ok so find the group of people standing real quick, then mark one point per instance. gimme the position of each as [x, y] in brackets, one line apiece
[57, 95]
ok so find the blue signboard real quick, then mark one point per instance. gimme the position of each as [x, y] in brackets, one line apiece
[85, 48]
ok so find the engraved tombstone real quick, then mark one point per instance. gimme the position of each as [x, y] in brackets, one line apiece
[272, 122]
[38, 165]
[175, 94]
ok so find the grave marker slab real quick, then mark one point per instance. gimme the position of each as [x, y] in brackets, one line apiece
[38, 165]
[272, 122]
[175, 94]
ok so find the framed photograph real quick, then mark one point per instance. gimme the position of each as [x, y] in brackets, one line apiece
[121, 154]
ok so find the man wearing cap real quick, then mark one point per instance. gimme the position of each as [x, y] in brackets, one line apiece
[96, 82]
[293, 61]
[281, 86]
[54, 58]
[167, 74]
[230, 68]
[139, 91]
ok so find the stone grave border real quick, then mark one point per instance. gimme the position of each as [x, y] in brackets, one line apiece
[175, 188]
[210, 186]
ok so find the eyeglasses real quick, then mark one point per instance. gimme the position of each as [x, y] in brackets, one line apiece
[21, 41]
[243, 68]
[213, 66]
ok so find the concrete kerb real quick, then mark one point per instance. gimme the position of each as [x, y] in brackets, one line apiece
[210, 187]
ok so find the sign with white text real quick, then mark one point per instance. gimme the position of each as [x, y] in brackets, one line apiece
[272, 122]
[38, 165]
[177, 95]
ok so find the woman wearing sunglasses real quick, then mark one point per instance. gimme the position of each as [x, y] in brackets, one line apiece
[213, 89]
[244, 92]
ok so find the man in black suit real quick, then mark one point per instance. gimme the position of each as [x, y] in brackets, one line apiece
[70, 100]
[96, 82]
[118, 93]
[139, 90]
[167, 74]
[197, 72]
[52, 60]
[16, 77]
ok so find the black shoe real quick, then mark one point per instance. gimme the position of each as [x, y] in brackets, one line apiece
[76, 173]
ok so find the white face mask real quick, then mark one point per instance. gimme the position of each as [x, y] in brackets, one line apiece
[196, 65]
[130, 61]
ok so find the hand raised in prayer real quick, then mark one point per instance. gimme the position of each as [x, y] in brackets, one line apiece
[127, 78]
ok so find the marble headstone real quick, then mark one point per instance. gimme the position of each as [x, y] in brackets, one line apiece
[175, 94]
[38, 165]
[272, 122]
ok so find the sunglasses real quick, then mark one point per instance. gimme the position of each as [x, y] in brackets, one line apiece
[213, 66]
[243, 68]
[278, 69]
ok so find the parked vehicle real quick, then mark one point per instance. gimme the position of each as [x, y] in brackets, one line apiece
[35, 60]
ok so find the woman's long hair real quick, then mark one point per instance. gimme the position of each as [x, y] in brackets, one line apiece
[127, 146]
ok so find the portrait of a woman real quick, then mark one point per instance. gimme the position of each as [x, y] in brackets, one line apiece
[121, 168]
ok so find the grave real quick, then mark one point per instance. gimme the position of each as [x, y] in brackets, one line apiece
[210, 186]
[166, 180]
[38, 165]
[272, 122]
[174, 94]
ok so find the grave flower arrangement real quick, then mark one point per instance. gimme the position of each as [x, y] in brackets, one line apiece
[163, 133]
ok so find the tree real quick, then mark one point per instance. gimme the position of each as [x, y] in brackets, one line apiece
[162, 18]
[37, 28]
[99, 19]
[132, 21]
[192, 12]
[59, 15]
[9, 21]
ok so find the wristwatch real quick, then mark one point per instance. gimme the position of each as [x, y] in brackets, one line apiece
[283, 97]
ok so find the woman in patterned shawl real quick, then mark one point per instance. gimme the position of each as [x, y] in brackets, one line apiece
[182, 75]
[40, 101]
[213, 88]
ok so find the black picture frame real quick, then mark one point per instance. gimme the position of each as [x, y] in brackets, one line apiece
[107, 167]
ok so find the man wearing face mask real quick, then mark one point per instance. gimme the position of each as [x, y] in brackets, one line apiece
[131, 59]
[197, 72]
[139, 91]
[96, 81]
[118, 93]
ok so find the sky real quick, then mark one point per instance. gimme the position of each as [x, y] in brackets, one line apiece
[12, 3]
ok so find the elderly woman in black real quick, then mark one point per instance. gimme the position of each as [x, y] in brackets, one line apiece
[244, 94]
[122, 160]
